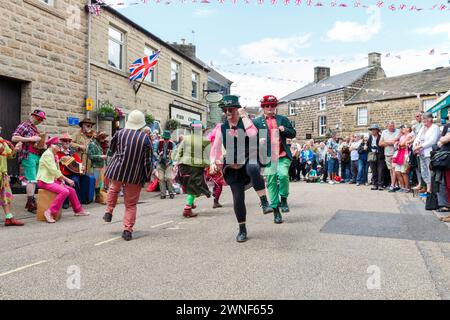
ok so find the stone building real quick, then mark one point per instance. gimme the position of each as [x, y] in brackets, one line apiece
[43, 59]
[216, 83]
[173, 91]
[395, 98]
[318, 107]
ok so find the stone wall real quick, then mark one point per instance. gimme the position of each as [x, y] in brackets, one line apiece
[154, 98]
[402, 111]
[308, 113]
[42, 47]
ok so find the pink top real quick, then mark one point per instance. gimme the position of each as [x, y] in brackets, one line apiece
[275, 142]
[216, 153]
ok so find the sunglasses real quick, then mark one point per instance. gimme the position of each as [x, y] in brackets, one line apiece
[228, 110]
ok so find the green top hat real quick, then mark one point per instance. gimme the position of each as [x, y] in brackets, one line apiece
[166, 134]
[230, 101]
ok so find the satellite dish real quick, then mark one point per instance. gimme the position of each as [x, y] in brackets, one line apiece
[214, 97]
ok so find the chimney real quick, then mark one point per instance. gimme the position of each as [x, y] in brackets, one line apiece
[374, 59]
[321, 73]
[187, 49]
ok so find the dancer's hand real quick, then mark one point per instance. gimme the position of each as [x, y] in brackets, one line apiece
[243, 113]
[282, 128]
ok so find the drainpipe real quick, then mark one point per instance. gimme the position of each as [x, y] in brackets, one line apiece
[88, 82]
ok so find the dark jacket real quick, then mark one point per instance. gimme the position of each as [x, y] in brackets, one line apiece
[289, 132]
[131, 160]
[379, 150]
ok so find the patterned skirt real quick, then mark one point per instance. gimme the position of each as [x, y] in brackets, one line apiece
[5, 190]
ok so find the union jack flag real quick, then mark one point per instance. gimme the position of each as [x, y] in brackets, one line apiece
[141, 67]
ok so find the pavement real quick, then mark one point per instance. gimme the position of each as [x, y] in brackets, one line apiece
[338, 242]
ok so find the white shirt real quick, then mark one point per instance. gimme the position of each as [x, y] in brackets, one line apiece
[428, 137]
[354, 155]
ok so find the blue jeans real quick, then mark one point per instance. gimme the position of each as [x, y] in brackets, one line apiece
[363, 171]
[346, 171]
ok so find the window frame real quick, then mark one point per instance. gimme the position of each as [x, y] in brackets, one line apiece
[292, 109]
[323, 103]
[324, 126]
[120, 43]
[178, 77]
[197, 82]
[154, 74]
[358, 122]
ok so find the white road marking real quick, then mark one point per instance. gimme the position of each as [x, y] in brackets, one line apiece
[23, 268]
[161, 224]
[106, 241]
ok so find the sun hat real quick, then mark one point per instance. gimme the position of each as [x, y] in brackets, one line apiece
[136, 120]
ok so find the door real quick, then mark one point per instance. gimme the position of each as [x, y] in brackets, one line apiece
[10, 92]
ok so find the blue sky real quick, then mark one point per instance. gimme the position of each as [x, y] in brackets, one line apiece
[235, 33]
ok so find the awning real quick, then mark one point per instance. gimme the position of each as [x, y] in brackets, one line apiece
[443, 102]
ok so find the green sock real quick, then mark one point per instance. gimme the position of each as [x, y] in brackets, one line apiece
[190, 200]
[9, 216]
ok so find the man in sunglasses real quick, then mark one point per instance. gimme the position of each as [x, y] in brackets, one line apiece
[273, 131]
[81, 140]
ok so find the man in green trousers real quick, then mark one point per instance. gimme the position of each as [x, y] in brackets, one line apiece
[273, 131]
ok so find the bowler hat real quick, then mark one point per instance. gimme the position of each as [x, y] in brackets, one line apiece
[166, 134]
[230, 101]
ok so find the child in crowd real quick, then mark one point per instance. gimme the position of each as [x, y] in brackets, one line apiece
[311, 176]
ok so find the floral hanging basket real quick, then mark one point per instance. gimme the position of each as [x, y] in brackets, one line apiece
[107, 112]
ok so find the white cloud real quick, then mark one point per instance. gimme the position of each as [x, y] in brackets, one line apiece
[443, 28]
[274, 47]
[204, 12]
[350, 31]
[252, 87]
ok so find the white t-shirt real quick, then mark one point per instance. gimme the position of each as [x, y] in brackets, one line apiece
[389, 136]
[354, 155]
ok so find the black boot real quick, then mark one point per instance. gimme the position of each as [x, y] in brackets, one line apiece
[266, 208]
[277, 216]
[127, 235]
[284, 206]
[216, 204]
[242, 235]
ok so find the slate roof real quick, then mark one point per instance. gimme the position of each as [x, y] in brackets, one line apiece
[404, 86]
[332, 83]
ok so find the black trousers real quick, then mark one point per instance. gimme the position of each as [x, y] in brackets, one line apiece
[238, 189]
[378, 172]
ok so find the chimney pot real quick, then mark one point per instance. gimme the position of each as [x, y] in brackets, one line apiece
[321, 73]
[374, 59]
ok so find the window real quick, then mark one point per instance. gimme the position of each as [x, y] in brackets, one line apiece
[115, 48]
[427, 104]
[195, 77]
[175, 76]
[322, 125]
[151, 77]
[291, 109]
[361, 116]
[323, 103]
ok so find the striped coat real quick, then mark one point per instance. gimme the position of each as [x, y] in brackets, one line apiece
[131, 160]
